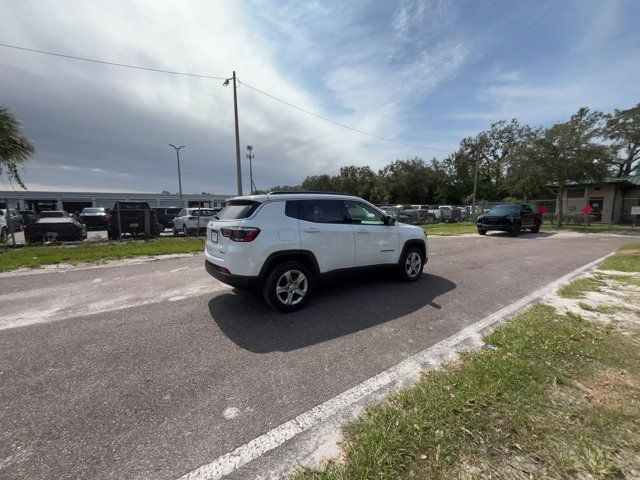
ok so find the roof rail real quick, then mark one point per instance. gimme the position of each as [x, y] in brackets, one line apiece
[297, 192]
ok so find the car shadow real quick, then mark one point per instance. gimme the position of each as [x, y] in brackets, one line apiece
[523, 235]
[346, 306]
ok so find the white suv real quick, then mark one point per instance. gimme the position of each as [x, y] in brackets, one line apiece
[284, 242]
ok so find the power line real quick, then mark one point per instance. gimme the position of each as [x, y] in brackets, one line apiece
[342, 124]
[171, 72]
[103, 62]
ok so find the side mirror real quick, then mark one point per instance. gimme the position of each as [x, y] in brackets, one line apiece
[389, 220]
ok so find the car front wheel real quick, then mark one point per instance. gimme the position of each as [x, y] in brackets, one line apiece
[287, 286]
[411, 264]
[482, 232]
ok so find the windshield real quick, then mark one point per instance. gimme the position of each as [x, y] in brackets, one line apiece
[93, 210]
[504, 210]
[237, 209]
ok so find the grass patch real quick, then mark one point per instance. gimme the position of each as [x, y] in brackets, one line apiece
[36, 256]
[459, 228]
[622, 279]
[558, 398]
[626, 259]
[579, 287]
[604, 309]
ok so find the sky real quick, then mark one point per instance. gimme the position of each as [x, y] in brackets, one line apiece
[420, 72]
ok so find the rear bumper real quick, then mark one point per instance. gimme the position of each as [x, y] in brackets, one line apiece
[237, 281]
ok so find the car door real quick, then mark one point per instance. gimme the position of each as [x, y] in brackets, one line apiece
[326, 232]
[376, 242]
[178, 222]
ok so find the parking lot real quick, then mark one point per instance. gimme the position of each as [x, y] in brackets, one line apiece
[92, 235]
[150, 369]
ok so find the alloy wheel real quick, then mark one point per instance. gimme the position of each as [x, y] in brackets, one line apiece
[291, 287]
[413, 264]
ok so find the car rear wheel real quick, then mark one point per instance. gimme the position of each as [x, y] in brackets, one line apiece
[287, 286]
[516, 229]
[411, 264]
[536, 228]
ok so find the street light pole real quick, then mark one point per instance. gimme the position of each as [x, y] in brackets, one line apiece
[235, 111]
[177, 149]
[250, 156]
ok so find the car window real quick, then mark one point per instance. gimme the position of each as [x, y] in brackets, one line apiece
[202, 212]
[364, 214]
[183, 213]
[237, 209]
[322, 211]
[172, 211]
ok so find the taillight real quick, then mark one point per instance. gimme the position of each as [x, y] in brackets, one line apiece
[240, 234]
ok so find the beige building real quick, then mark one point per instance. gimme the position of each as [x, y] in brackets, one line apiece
[611, 200]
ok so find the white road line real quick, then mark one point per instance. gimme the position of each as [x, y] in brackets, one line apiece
[232, 461]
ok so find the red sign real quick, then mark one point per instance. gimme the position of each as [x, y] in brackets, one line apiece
[587, 210]
[542, 209]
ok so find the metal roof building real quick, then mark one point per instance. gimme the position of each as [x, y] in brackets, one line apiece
[76, 201]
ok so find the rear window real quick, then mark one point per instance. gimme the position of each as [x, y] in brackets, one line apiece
[237, 209]
[203, 212]
[132, 206]
[172, 211]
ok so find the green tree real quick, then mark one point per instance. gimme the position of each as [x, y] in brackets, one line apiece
[566, 152]
[623, 129]
[15, 149]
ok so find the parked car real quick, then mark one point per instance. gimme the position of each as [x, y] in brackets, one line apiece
[285, 242]
[510, 218]
[94, 218]
[4, 229]
[134, 218]
[28, 216]
[166, 216]
[192, 220]
[55, 227]
[450, 213]
[15, 219]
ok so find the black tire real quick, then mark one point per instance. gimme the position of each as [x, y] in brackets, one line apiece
[482, 232]
[411, 264]
[536, 228]
[111, 235]
[175, 232]
[279, 290]
[515, 229]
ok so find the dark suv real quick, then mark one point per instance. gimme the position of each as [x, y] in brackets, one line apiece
[166, 216]
[135, 218]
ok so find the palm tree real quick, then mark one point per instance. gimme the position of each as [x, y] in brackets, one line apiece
[15, 149]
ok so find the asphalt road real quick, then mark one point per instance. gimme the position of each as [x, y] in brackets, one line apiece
[151, 369]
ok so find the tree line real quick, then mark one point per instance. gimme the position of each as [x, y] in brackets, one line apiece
[513, 159]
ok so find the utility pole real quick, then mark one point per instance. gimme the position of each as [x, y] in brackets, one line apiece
[235, 111]
[179, 176]
[475, 186]
[251, 156]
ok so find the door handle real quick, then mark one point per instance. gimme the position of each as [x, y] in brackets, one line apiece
[311, 230]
